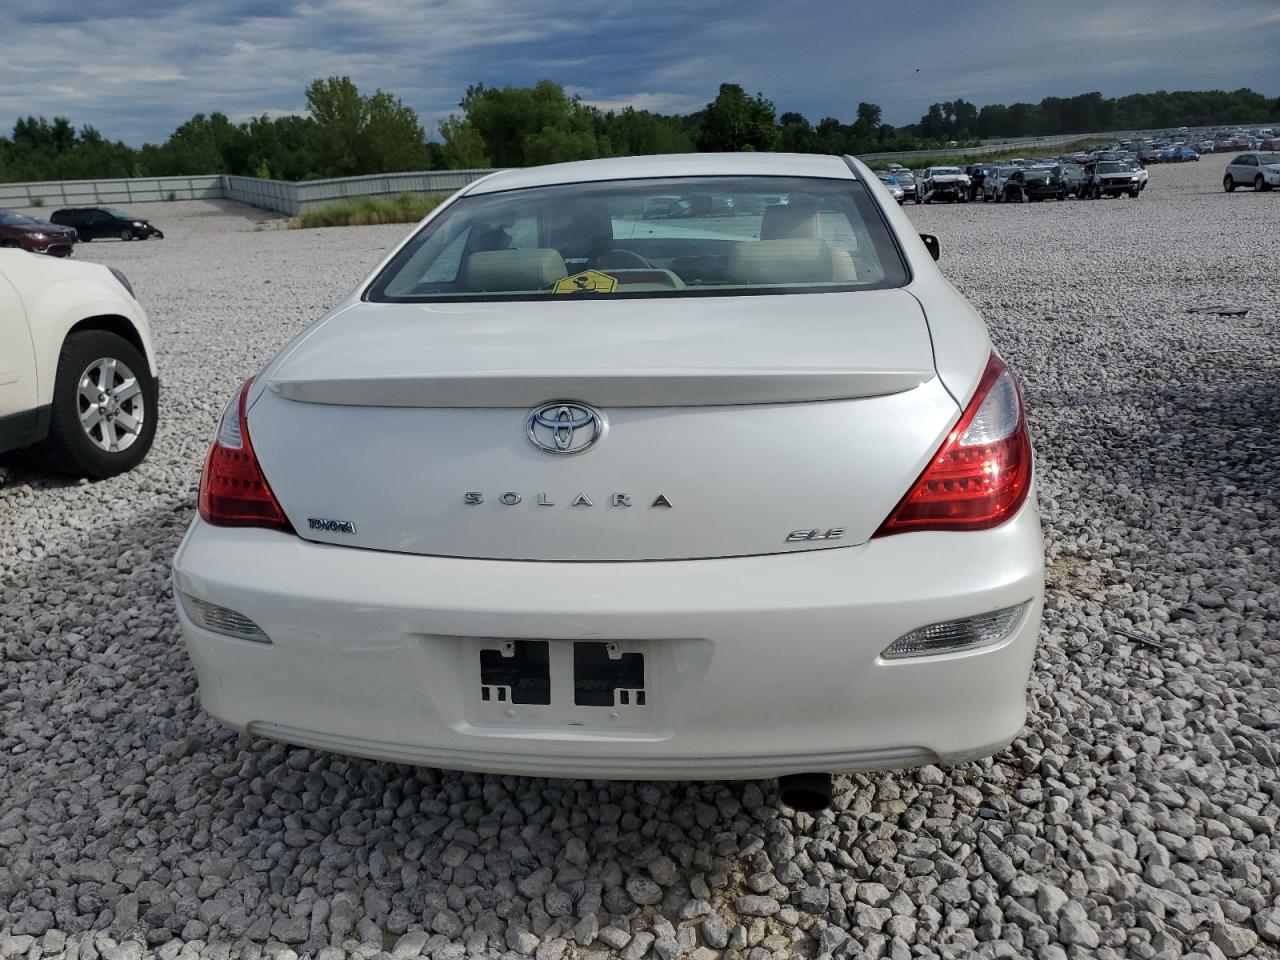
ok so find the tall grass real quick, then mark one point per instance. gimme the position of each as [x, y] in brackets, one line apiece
[406, 208]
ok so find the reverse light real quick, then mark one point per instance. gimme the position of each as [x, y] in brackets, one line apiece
[233, 490]
[950, 636]
[223, 620]
[981, 474]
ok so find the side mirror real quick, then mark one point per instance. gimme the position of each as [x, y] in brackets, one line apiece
[932, 245]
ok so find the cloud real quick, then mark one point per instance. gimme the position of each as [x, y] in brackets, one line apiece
[136, 71]
[653, 102]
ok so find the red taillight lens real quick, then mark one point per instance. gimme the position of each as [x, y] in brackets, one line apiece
[982, 473]
[233, 491]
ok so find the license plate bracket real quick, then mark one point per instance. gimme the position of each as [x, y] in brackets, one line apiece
[540, 685]
[605, 676]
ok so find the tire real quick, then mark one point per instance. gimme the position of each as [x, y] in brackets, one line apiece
[126, 234]
[1259, 184]
[90, 357]
[1228, 184]
[1133, 192]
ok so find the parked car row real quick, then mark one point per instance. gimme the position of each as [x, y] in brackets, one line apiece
[1027, 180]
[58, 235]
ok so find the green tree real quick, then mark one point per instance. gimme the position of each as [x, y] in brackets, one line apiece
[796, 134]
[359, 134]
[633, 133]
[542, 121]
[464, 148]
[734, 121]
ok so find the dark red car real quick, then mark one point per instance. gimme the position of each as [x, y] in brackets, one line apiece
[38, 236]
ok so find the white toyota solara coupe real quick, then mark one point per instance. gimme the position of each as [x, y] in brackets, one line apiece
[662, 467]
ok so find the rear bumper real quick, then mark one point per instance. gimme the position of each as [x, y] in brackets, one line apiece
[755, 667]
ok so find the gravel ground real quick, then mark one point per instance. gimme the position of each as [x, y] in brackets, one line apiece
[1136, 817]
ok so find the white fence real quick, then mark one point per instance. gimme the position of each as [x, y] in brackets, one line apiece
[296, 198]
[66, 193]
[318, 193]
[279, 195]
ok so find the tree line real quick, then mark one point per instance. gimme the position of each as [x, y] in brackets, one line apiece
[349, 133]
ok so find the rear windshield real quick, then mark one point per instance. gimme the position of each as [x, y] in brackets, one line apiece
[688, 236]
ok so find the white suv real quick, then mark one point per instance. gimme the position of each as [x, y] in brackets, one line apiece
[77, 370]
[1259, 170]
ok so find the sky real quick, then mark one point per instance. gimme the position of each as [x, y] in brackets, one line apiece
[135, 69]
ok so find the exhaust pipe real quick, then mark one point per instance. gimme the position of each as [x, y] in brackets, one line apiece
[806, 792]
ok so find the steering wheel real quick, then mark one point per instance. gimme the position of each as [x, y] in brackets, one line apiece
[620, 259]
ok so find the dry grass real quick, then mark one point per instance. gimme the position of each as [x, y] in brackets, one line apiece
[406, 208]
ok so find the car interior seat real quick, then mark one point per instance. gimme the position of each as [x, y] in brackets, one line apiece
[510, 271]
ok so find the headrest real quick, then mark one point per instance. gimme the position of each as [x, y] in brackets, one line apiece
[507, 271]
[581, 229]
[769, 262]
[797, 220]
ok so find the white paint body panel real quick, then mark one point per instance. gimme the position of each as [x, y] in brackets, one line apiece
[55, 295]
[17, 356]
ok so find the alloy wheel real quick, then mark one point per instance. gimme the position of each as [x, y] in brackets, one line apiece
[111, 405]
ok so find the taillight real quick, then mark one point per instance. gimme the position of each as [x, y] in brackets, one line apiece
[233, 491]
[981, 474]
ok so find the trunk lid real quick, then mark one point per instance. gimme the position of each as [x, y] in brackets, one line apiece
[730, 424]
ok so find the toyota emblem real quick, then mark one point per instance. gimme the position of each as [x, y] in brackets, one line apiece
[564, 427]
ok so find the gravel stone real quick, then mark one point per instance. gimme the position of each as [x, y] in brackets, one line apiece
[615, 937]
[1267, 923]
[1232, 940]
[409, 945]
[644, 891]
[753, 905]
[1074, 926]
[715, 932]
[664, 871]
[638, 946]
[1137, 814]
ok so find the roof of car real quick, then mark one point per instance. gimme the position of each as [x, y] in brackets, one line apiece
[669, 165]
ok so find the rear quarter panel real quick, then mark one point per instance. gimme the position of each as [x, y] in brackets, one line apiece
[961, 343]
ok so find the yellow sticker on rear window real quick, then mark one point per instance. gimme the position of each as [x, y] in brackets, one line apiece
[588, 281]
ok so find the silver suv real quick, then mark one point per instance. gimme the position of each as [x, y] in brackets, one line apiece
[1259, 170]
